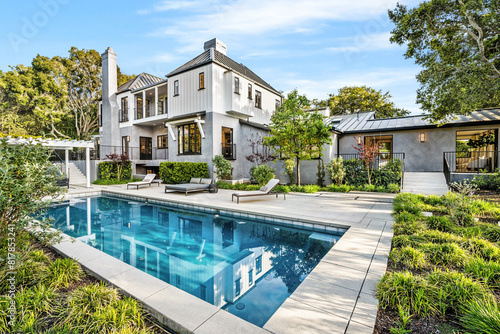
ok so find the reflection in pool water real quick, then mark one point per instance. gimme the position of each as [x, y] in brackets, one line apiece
[246, 267]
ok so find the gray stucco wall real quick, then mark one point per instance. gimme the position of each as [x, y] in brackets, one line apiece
[419, 157]
[80, 164]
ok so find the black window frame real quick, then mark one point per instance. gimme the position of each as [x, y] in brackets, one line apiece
[201, 80]
[160, 140]
[176, 87]
[126, 145]
[237, 85]
[258, 264]
[237, 287]
[250, 91]
[181, 131]
[277, 104]
[258, 99]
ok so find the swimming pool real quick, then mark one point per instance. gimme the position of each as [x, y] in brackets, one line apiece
[244, 266]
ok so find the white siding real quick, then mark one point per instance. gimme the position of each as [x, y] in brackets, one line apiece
[191, 98]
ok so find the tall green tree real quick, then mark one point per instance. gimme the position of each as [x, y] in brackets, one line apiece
[457, 42]
[297, 133]
[353, 99]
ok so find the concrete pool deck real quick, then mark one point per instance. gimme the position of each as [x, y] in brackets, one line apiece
[336, 297]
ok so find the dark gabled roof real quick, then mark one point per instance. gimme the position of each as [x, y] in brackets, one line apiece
[366, 121]
[219, 58]
[138, 82]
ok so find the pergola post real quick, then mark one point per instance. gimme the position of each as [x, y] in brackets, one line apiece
[87, 165]
[66, 160]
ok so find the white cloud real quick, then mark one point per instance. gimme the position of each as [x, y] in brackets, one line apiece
[364, 42]
[164, 58]
[164, 6]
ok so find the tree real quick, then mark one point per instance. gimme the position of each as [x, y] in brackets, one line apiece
[122, 78]
[457, 42]
[297, 133]
[367, 154]
[353, 99]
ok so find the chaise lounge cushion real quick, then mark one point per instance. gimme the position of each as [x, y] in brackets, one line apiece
[206, 181]
[195, 180]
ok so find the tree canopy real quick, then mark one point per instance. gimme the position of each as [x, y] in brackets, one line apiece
[296, 132]
[457, 42]
[56, 96]
[353, 99]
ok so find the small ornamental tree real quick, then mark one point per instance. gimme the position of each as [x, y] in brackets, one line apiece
[296, 132]
[222, 167]
[120, 161]
[367, 154]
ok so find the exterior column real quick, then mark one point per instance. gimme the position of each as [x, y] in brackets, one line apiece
[156, 101]
[66, 160]
[143, 104]
[87, 165]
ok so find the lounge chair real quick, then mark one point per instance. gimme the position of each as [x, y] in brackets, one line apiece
[195, 184]
[265, 190]
[148, 180]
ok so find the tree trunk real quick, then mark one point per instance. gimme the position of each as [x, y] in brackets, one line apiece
[298, 171]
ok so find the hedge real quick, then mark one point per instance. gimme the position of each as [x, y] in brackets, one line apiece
[108, 170]
[357, 176]
[176, 172]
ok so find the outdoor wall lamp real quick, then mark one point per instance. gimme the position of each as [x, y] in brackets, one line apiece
[422, 137]
[128, 138]
[358, 140]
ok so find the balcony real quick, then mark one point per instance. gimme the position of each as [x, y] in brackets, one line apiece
[229, 151]
[162, 107]
[135, 153]
[123, 115]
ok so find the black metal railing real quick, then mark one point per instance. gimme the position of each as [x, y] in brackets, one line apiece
[162, 107]
[471, 162]
[138, 113]
[149, 111]
[229, 151]
[135, 153]
[446, 169]
[380, 160]
[59, 162]
[123, 115]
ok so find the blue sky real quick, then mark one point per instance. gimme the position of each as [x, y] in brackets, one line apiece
[315, 46]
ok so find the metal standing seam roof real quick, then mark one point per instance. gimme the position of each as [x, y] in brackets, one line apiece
[219, 58]
[140, 81]
[366, 121]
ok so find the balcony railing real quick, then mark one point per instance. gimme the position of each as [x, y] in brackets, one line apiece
[138, 113]
[135, 153]
[471, 162]
[229, 151]
[123, 115]
[162, 107]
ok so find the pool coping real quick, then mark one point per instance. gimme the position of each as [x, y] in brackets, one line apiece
[337, 295]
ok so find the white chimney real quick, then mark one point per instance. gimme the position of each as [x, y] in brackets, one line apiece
[216, 45]
[110, 123]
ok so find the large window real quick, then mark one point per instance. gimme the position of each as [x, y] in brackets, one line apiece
[189, 141]
[237, 85]
[124, 109]
[202, 80]
[125, 145]
[475, 150]
[146, 148]
[228, 148]
[139, 107]
[258, 264]
[162, 141]
[176, 87]
[258, 99]
[277, 104]
[384, 144]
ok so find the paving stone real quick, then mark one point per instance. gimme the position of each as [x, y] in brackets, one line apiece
[224, 322]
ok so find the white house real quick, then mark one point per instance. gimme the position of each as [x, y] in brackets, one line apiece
[208, 106]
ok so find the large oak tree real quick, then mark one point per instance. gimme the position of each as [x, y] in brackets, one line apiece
[457, 42]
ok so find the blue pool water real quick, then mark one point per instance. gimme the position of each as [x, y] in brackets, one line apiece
[243, 266]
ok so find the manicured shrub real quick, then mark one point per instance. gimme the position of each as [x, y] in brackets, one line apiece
[369, 187]
[439, 237]
[439, 223]
[481, 316]
[109, 170]
[408, 258]
[111, 182]
[390, 173]
[482, 248]
[282, 189]
[343, 188]
[222, 167]
[393, 188]
[405, 240]
[262, 174]
[177, 172]
[408, 227]
[336, 170]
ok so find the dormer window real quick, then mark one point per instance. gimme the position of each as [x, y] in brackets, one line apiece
[176, 87]
[258, 99]
[202, 80]
[250, 91]
[236, 85]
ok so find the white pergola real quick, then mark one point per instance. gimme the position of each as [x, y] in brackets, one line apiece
[65, 145]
